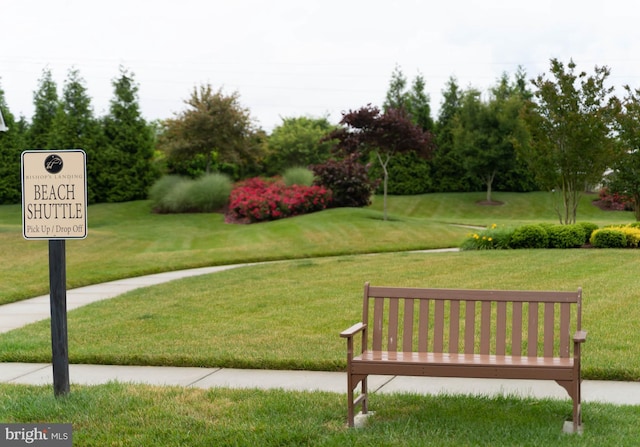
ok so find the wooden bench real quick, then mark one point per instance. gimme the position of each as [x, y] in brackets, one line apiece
[466, 333]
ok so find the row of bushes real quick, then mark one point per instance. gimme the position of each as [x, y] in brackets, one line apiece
[554, 236]
[253, 200]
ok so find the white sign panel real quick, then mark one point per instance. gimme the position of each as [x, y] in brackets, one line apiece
[54, 194]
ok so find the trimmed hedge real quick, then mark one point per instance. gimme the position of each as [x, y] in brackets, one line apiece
[530, 236]
[566, 236]
[608, 238]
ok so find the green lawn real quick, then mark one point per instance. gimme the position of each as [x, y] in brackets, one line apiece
[137, 415]
[288, 315]
[127, 240]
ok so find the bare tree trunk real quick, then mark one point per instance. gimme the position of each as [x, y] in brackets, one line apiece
[384, 182]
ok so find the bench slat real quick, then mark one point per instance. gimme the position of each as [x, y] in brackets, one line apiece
[470, 327]
[446, 358]
[438, 327]
[454, 326]
[378, 315]
[407, 334]
[473, 295]
[462, 365]
[565, 321]
[516, 329]
[532, 330]
[392, 335]
[501, 328]
[485, 327]
[423, 326]
[549, 325]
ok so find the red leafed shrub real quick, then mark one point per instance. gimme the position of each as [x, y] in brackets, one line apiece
[615, 201]
[257, 200]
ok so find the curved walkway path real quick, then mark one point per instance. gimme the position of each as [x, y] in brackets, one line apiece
[18, 314]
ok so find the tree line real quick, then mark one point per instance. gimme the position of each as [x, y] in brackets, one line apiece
[560, 132]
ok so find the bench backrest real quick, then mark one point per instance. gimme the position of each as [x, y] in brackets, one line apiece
[501, 322]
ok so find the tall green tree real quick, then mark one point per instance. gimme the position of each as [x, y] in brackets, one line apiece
[569, 126]
[298, 142]
[625, 178]
[11, 146]
[45, 101]
[214, 128]
[485, 130]
[420, 104]
[415, 101]
[396, 96]
[447, 170]
[75, 127]
[126, 162]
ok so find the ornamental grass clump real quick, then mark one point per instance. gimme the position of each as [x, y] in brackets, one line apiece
[175, 194]
[258, 200]
[298, 176]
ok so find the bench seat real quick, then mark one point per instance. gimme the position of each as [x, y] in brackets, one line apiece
[462, 365]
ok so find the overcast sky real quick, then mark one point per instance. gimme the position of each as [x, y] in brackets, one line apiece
[288, 58]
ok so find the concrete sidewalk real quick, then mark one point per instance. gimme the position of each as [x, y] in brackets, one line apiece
[18, 314]
[621, 393]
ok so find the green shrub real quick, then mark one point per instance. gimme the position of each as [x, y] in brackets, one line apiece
[162, 186]
[164, 194]
[209, 193]
[566, 236]
[631, 232]
[529, 236]
[408, 174]
[298, 176]
[588, 229]
[175, 194]
[492, 238]
[178, 200]
[257, 200]
[348, 179]
[608, 238]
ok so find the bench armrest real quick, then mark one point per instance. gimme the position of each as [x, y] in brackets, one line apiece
[580, 337]
[353, 330]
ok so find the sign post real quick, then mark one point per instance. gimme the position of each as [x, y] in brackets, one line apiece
[54, 207]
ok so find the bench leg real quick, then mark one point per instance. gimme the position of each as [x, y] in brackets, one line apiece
[352, 402]
[573, 387]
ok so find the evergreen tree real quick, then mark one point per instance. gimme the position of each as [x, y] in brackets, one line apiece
[10, 150]
[447, 171]
[484, 133]
[45, 101]
[126, 170]
[419, 106]
[74, 127]
[415, 101]
[397, 97]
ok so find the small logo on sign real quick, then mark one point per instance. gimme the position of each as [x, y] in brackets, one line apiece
[53, 164]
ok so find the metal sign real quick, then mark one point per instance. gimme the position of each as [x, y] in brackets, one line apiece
[54, 194]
